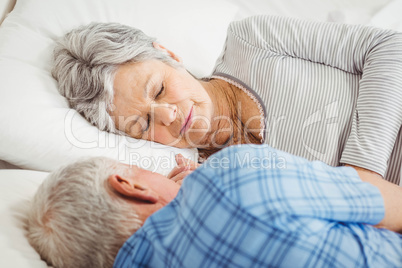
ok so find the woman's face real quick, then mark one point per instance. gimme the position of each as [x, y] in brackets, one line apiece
[157, 102]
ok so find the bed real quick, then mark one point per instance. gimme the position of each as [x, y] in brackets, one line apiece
[38, 130]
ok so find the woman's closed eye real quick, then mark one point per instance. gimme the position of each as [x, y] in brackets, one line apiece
[160, 91]
[148, 123]
[144, 125]
[139, 127]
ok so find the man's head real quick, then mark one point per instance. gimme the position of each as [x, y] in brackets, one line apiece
[83, 213]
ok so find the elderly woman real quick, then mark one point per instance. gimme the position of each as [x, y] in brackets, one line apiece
[323, 91]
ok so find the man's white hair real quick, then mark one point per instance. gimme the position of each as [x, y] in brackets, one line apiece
[86, 60]
[75, 219]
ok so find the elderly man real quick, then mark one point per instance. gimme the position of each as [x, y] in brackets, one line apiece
[235, 210]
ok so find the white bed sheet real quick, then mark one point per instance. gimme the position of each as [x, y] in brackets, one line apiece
[16, 189]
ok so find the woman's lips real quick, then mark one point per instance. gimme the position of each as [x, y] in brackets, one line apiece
[187, 122]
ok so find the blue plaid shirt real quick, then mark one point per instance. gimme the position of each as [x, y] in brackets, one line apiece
[254, 206]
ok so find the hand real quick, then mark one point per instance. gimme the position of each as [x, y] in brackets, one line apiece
[184, 167]
[392, 195]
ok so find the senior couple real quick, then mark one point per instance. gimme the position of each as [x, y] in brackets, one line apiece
[313, 91]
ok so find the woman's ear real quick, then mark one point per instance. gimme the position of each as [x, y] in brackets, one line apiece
[174, 56]
[129, 188]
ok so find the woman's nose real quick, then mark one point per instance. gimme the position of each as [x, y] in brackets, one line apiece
[165, 113]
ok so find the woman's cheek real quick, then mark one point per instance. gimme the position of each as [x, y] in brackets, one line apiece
[163, 137]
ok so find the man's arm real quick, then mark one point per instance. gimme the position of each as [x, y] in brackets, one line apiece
[278, 183]
[314, 188]
[392, 195]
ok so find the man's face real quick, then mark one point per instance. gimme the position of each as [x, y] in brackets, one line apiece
[166, 188]
[149, 191]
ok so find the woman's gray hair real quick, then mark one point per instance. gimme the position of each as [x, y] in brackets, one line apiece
[75, 221]
[86, 60]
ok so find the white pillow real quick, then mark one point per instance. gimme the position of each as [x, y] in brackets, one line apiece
[39, 131]
[17, 187]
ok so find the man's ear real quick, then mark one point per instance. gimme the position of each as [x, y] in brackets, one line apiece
[174, 56]
[129, 188]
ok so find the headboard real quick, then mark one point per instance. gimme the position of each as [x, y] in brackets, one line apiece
[5, 7]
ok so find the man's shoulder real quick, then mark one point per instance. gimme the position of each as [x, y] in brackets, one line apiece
[137, 251]
[249, 157]
[236, 169]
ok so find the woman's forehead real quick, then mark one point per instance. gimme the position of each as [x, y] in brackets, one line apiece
[128, 78]
[136, 79]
